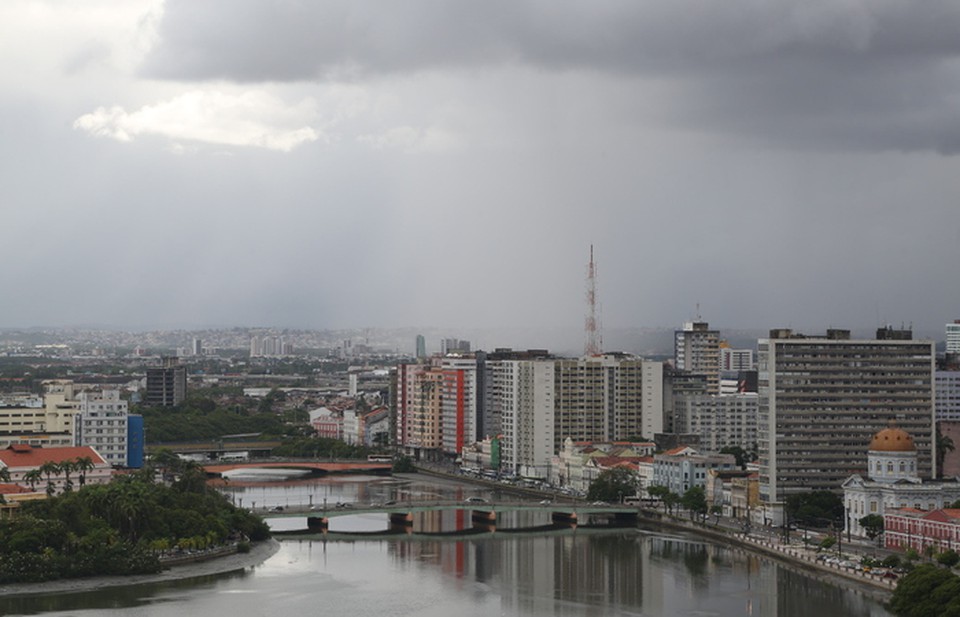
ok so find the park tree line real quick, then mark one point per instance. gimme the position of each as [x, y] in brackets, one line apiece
[122, 527]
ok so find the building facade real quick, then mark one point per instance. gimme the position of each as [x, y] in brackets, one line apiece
[953, 337]
[525, 396]
[918, 529]
[718, 421]
[610, 397]
[102, 424]
[947, 396]
[166, 384]
[891, 482]
[697, 351]
[684, 469]
[822, 398]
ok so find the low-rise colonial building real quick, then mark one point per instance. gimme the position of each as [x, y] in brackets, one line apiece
[28, 467]
[908, 528]
[891, 482]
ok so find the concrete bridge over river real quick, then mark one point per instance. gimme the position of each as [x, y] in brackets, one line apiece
[483, 516]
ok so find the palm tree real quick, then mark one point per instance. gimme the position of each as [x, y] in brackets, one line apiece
[82, 466]
[33, 478]
[66, 468]
[50, 469]
[944, 445]
[4, 474]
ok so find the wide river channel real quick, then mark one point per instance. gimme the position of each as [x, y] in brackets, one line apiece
[582, 572]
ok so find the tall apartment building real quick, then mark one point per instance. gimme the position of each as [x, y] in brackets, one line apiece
[822, 399]
[953, 337]
[437, 405]
[459, 403]
[488, 404]
[608, 397]
[736, 359]
[167, 384]
[523, 391]
[102, 425]
[719, 421]
[454, 345]
[947, 396]
[419, 412]
[697, 350]
[541, 402]
[421, 344]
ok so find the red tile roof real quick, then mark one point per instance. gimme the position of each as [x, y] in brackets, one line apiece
[10, 489]
[22, 455]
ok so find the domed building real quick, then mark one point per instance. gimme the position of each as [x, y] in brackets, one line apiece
[891, 481]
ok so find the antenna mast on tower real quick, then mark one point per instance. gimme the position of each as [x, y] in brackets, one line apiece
[593, 343]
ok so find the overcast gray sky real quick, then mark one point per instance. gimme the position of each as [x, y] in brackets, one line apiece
[449, 163]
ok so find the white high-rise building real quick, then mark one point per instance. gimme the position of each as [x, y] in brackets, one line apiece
[736, 359]
[542, 402]
[102, 425]
[524, 390]
[953, 337]
[947, 395]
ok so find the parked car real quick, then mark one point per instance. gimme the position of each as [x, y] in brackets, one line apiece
[475, 499]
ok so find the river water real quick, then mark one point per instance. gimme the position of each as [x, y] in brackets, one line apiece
[583, 572]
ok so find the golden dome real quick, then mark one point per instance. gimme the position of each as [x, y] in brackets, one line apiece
[892, 439]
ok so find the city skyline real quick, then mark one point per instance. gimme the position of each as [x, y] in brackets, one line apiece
[349, 164]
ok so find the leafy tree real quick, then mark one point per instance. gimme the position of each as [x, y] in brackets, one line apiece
[661, 492]
[891, 561]
[738, 452]
[948, 558]
[695, 501]
[613, 485]
[873, 525]
[403, 464]
[927, 591]
[670, 501]
[717, 512]
[815, 508]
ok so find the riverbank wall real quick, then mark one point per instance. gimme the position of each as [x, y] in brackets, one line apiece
[799, 557]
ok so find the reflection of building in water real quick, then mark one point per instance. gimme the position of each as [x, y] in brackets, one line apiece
[625, 573]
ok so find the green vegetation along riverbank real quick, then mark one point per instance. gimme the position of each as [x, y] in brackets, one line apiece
[120, 528]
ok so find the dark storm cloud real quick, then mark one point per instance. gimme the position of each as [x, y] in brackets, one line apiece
[864, 75]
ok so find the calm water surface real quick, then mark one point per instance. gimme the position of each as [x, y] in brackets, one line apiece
[578, 573]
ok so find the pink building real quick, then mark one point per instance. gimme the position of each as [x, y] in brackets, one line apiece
[329, 424]
[917, 529]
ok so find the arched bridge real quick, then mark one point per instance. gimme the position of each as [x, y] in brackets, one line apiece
[316, 467]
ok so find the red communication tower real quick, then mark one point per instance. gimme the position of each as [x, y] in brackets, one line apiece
[593, 343]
